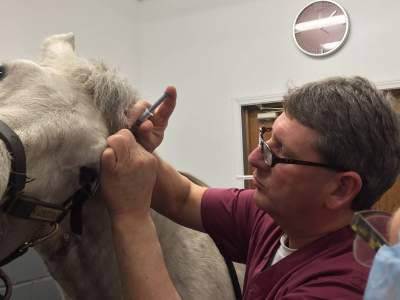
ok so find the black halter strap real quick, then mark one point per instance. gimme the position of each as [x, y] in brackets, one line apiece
[16, 203]
[23, 206]
[7, 284]
[16, 149]
[53, 215]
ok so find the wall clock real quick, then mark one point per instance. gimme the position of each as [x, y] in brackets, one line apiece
[321, 28]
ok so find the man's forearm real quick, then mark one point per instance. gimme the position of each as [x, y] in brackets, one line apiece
[140, 260]
[176, 197]
[171, 190]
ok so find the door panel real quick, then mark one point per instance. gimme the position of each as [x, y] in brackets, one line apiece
[251, 124]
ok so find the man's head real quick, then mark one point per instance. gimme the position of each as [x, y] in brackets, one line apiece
[357, 130]
[338, 122]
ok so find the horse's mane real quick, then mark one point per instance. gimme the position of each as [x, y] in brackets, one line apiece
[111, 94]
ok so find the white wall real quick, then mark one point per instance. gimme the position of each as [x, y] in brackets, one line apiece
[103, 29]
[217, 51]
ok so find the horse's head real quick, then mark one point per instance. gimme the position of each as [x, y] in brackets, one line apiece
[62, 109]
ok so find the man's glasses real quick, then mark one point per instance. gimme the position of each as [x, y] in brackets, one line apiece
[271, 159]
[371, 227]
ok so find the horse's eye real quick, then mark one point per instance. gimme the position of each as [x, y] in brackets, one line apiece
[3, 72]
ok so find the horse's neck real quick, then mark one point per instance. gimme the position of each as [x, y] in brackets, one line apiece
[86, 268]
[84, 265]
[78, 262]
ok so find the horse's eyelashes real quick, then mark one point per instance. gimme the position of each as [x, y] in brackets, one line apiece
[3, 72]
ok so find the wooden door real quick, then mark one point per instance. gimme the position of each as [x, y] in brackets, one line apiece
[255, 116]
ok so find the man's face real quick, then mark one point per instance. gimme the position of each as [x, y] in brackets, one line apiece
[289, 191]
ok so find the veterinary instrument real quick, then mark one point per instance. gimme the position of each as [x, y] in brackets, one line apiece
[244, 177]
[149, 111]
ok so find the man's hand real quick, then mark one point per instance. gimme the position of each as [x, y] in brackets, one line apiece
[151, 132]
[128, 174]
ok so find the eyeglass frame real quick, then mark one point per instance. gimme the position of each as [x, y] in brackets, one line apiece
[366, 231]
[265, 149]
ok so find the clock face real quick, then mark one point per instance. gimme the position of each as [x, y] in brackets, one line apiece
[321, 28]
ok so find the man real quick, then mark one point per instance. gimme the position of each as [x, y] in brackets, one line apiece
[334, 149]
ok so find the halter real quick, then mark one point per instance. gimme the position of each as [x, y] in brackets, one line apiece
[17, 204]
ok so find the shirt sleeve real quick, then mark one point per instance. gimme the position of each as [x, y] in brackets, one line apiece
[228, 217]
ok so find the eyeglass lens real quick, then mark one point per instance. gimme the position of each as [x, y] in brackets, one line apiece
[266, 151]
[267, 154]
[363, 253]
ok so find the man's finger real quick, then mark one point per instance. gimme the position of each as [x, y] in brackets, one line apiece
[164, 111]
[122, 143]
[135, 111]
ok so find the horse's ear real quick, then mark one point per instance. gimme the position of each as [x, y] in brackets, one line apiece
[57, 48]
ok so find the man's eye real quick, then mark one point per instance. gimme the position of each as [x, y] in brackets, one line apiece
[276, 148]
[3, 72]
[282, 152]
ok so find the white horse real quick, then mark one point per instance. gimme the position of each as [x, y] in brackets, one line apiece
[62, 109]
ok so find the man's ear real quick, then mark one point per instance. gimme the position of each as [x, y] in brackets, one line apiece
[348, 185]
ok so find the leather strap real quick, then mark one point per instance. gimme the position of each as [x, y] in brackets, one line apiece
[22, 206]
[31, 208]
[16, 149]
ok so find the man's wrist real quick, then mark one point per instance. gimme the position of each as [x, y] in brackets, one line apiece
[131, 221]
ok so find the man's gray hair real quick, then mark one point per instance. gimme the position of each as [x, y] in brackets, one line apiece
[358, 130]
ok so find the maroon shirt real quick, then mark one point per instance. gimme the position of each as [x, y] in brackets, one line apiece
[323, 269]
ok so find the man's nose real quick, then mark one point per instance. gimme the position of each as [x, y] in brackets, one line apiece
[256, 159]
